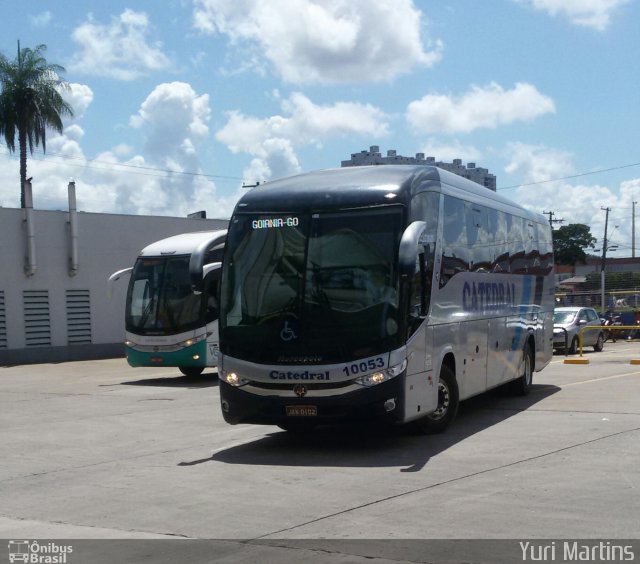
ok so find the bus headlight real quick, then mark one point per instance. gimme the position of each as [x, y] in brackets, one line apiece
[193, 341]
[378, 377]
[233, 379]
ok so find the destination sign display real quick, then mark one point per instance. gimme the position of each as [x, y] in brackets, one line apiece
[275, 223]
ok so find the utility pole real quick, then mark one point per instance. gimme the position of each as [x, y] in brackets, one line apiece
[604, 257]
[551, 220]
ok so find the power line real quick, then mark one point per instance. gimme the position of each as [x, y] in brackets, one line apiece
[569, 177]
[156, 171]
[162, 171]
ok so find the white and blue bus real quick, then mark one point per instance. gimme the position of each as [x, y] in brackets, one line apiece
[385, 291]
[171, 311]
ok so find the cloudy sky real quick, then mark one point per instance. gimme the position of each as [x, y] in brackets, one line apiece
[177, 103]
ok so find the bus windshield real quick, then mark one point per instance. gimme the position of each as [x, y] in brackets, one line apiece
[320, 288]
[160, 300]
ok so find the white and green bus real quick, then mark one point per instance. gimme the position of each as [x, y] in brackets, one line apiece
[388, 291]
[171, 311]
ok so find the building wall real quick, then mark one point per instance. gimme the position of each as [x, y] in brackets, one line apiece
[612, 265]
[53, 316]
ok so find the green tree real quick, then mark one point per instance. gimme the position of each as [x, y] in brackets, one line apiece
[30, 101]
[570, 242]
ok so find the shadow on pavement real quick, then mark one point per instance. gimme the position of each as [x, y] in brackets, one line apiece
[372, 445]
[205, 380]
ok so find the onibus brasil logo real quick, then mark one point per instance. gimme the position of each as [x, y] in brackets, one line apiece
[38, 553]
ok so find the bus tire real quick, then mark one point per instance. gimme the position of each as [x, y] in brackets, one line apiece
[191, 371]
[447, 409]
[522, 386]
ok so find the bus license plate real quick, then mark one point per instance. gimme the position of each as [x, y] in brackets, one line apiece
[302, 410]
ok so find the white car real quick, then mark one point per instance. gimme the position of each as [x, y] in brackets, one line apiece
[567, 322]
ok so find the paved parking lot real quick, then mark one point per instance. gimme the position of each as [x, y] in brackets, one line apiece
[99, 450]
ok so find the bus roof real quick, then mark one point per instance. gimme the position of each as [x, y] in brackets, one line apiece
[369, 185]
[183, 244]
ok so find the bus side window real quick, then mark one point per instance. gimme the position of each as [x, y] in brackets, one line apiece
[455, 257]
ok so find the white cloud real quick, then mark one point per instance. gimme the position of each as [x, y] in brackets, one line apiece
[304, 123]
[173, 119]
[323, 41]
[79, 96]
[537, 163]
[278, 159]
[449, 151]
[588, 13]
[272, 140]
[574, 203]
[481, 107]
[118, 50]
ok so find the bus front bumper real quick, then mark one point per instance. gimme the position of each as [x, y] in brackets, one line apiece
[195, 355]
[383, 402]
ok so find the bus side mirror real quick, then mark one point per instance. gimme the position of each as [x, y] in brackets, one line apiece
[196, 261]
[411, 239]
[210, 268]
[115, 277]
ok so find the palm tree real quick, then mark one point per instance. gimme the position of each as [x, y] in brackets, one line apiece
[30, 101]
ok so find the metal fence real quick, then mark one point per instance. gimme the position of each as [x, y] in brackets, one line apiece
[625, 303]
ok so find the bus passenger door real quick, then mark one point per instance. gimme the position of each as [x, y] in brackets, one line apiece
[416, 263]
[421, 391]
[211, 299]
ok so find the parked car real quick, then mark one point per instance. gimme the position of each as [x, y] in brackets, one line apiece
[567, 322]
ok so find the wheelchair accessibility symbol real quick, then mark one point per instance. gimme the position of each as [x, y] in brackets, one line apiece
[288, 333]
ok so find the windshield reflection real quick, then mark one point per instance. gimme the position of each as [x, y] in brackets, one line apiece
[160, 300]
[322, 290]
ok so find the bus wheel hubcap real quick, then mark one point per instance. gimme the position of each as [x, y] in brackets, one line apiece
[443, 401]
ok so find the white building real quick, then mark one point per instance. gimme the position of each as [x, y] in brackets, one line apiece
[54, 304]
[373, 156]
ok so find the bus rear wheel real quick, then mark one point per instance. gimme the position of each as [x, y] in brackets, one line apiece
[191, 370]
[447, 408]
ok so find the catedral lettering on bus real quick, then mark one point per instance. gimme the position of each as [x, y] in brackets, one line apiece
[410, 288]
[487, 296]
[305, 375]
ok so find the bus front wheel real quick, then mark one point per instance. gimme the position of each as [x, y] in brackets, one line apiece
[447, 408]
[191, 371]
